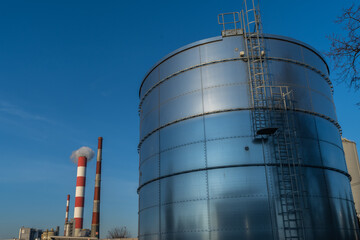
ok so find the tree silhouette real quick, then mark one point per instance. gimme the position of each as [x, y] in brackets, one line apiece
[345, 49]
[118, 232]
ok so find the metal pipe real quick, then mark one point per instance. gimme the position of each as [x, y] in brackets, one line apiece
[95, 224]
[80, 195]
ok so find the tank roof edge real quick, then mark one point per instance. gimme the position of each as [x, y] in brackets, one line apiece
[220, 38]
[289, 39]
[178, 50]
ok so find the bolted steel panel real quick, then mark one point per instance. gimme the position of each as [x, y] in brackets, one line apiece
[202, 173]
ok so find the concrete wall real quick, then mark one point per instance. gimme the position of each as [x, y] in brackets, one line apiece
[352, 162]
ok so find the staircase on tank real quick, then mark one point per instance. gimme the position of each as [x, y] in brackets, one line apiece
[272, 114]
[289, 170]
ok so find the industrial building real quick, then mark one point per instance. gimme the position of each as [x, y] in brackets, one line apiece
[29, 233]
[352, 162]
[239, 139]
[48, 234]
[37, 234]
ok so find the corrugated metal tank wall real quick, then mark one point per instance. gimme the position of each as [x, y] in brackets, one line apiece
[202, 175]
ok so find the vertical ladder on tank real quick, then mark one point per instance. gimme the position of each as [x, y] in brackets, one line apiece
[257, 66]
[289, 170]
[272, 110]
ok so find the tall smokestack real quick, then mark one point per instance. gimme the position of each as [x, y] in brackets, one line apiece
[82, 156]
[67, 214]
[95, 224]
[80, 195]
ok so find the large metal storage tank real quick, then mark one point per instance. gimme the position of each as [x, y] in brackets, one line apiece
[352, 162]
[202, 173]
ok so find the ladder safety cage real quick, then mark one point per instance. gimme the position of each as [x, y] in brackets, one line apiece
[273, 108]
[257, 66]
[288, 158]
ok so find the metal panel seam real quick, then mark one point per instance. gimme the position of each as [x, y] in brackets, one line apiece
[242, 165]
[225, 138]
[235, 59]
[232, 110]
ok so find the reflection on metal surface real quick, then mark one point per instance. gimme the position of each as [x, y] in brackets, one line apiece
[204, 176]
[239, 165]
[154, 130]
[156, 84]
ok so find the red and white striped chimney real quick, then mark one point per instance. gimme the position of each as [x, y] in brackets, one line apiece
[95, 224]
[80, 195]
[67, 214]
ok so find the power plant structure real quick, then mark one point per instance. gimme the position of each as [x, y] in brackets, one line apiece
[73, 228]
[80, 194]
[67, 225]
[95, 224]
[239, 139]
[26, 233]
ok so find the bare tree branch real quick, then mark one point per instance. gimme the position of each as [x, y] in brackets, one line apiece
[345, 50]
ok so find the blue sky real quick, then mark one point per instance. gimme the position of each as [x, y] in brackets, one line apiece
[70, 72]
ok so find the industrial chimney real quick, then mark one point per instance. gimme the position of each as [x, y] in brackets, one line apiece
[67, 215]
[80, 194]
[81, 156]
[95, 224]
